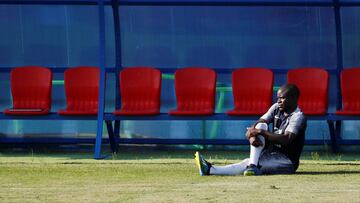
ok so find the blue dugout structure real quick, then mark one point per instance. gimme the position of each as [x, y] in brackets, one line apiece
[113, 122]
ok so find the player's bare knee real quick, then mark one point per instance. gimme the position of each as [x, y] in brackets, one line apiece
[261, 126]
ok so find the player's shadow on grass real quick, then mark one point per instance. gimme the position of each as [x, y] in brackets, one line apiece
[327, 172]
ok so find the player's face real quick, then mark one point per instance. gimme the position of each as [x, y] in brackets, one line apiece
[285, 102]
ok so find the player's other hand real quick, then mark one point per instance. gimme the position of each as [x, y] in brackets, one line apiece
[256, 142]
[252, 132]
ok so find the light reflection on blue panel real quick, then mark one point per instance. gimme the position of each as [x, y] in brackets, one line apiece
[54, 36]
[351, 51]
[351, 30]
[228, 37]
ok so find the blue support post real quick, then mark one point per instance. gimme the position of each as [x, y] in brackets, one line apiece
[101, 104]
[339, 51]
[339, 67]
[118, 65]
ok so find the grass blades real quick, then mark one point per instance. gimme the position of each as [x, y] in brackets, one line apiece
[170, 176]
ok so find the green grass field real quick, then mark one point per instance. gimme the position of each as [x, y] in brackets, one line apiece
[138, 175]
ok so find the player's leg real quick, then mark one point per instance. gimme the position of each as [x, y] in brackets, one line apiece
[231, 169]
[206, 168]
[255, 152]
[250, 165]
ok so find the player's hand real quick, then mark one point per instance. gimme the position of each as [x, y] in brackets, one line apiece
[252, 132]
[256, 142]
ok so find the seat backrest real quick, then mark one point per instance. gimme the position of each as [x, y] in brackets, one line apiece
[252, 88]
[350, 89]
[195, 88]
[140, 88]
[31, 87]
[82, 87]
[313, 84]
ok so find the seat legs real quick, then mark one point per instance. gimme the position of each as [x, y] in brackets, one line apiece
[112, 139]
[333, 136]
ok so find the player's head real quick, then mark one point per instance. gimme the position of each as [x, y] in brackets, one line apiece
[288, 96]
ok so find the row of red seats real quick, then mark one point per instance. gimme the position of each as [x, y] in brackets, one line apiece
[252, 91]
[194, 86]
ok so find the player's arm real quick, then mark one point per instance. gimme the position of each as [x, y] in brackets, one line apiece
[259, 121]
[282, 139]
[252, 128]
[291, 131]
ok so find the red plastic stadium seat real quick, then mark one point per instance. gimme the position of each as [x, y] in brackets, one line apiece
[313, 84]
[252, 91]
[31, 91]
[82, 91]
[350, 91]
[140, 91]
[195, 91]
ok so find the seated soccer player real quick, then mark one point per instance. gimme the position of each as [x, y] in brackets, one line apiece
[275, 151]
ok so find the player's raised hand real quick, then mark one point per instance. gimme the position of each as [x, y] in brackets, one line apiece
[252, 132]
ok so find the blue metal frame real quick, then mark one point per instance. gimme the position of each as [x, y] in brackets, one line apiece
[109, 118]
[339, 68]
[49, 140]
[118, 63]
[53, 2]
[163, 70]
[330, 118]
[101, 101]
[50, 116]
[56, 69]
[57, 141]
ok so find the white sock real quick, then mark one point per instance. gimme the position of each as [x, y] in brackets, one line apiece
[255, 152]
[232, 169]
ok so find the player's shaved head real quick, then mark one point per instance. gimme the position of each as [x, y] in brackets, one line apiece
[290, 90]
